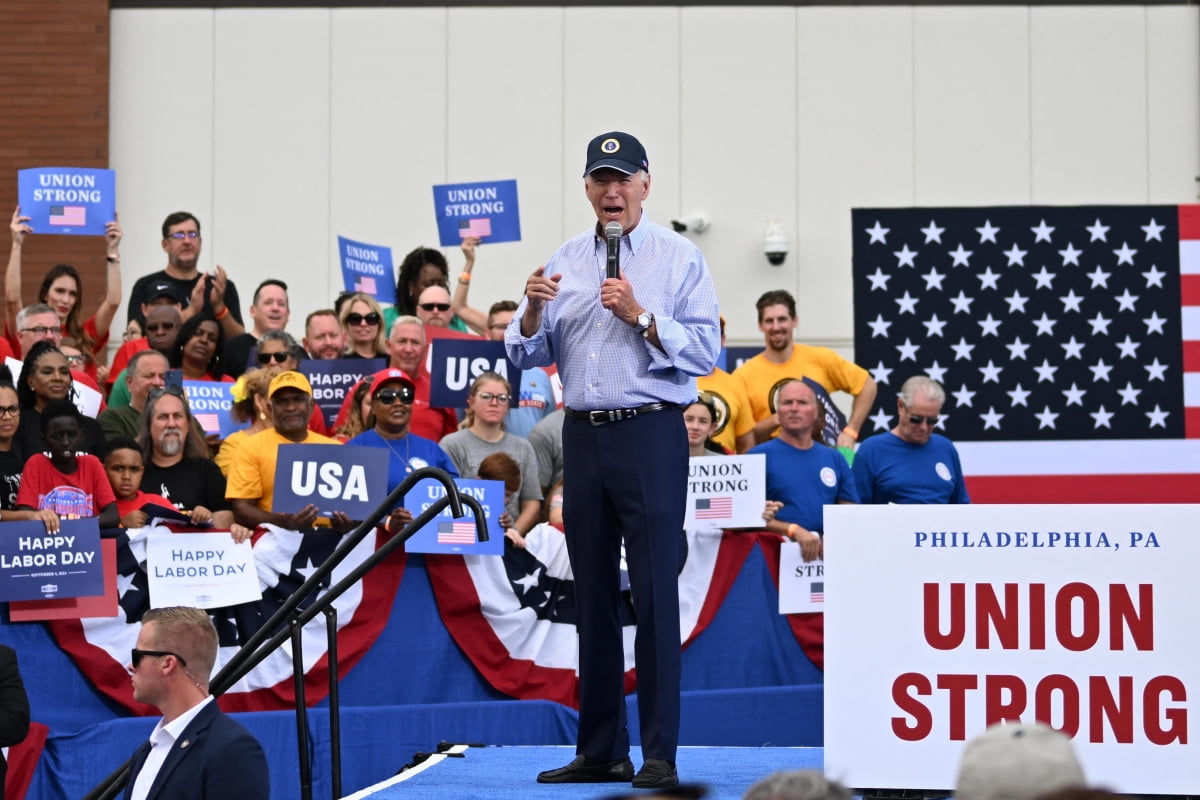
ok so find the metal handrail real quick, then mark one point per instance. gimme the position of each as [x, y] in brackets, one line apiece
[262, 643]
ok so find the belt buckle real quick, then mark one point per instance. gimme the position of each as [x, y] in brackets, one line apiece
[598, 417]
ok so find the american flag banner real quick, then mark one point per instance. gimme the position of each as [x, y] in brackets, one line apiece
[68, 215]
[1067, 338]
[475, 227]
[714, 507]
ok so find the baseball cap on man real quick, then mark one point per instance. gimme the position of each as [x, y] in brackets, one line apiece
[289, 380]
[616, 150]
[159, 289]
[392, 374]
[1017, 761]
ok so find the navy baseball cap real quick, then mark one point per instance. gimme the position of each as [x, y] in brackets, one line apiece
[616, 150]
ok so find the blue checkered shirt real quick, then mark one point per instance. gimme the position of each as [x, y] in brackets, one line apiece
[605, 363]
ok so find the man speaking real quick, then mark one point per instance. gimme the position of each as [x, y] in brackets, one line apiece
[628, 349]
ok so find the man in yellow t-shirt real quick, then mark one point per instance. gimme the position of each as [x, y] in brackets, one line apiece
[783, 360]
[735, 424]
[251, 485]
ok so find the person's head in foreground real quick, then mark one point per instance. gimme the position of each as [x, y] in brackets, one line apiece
[1017, 761]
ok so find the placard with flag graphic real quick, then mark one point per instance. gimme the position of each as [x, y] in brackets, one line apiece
[367, 268]
[77, 201]
[816, 592]
[1067, 339]
[447, 534]
[486, 209]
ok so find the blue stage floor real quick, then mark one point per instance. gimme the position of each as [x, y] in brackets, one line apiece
[507, 773]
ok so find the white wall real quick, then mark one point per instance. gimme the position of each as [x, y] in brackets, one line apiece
[281, 129]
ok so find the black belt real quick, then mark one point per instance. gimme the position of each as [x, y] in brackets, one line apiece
[603, 416]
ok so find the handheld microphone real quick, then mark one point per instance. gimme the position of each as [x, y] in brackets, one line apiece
[613, 232]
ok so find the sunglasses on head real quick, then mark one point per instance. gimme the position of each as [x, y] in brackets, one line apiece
[354, 318]
[159, 391]
[136, 656]
[435, 306]
[388, 396]
[280, 357]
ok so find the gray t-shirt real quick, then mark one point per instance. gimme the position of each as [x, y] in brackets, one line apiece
[467, 450]
[546, 438]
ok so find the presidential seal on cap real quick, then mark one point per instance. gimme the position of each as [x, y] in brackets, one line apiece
[616, 150]
[393, 374]
[289, 380]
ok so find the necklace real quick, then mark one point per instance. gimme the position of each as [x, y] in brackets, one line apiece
[407, 449]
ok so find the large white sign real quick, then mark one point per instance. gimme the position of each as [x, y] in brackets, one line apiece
[945, 619]
[203, 570]
[726, 491]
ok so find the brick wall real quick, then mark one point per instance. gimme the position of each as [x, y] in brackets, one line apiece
[54, 101]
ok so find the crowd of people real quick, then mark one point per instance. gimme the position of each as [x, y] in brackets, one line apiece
[635, 350]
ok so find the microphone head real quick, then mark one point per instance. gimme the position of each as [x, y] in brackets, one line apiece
[613, 230]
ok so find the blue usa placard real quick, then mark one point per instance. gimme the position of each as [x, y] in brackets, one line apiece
[444, 533]
[456, 363]
[331, 378]
[348, 479]
[71, 200]
[211, 402]
[367, 268]
[488, 210]
[37, 566]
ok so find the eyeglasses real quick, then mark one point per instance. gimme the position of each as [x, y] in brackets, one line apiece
[9, 411]
[184, 235]
[389, 396]
[137, 655]
[435, 306]
[78, 359]
[280, 357]
[159, 391]
[488, 397]
[42, 330]
[917, 419]
[354, 318]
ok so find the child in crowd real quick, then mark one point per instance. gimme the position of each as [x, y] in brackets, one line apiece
[124, 467]
[69, 483]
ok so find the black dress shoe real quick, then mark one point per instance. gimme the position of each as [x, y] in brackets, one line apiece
[585, 770]
[656, 774]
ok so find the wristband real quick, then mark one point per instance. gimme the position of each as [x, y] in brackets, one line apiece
[464, 278]
[113, 259]
[222, 314]
[793, 530]
[851, 432]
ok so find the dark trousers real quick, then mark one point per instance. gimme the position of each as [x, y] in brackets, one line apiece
[627, 480]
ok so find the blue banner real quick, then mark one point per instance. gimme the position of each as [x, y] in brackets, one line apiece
[331, 378]
[444, 533]
[348, 479]
[456, 363]
[37, 566]
[211, 402]
[367, 268]
[488, 210]
[71, 200]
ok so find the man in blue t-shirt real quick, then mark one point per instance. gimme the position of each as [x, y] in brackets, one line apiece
[911, 464]
[802, 473]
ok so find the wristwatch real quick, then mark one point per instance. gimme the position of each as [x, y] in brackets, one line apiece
[644, 321]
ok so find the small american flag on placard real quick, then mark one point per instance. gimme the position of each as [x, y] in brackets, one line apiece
[816, 592]
[475, 227]
[456, 533]
[211, 423]
[68, 215]
[714, 507]
[365, 284]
